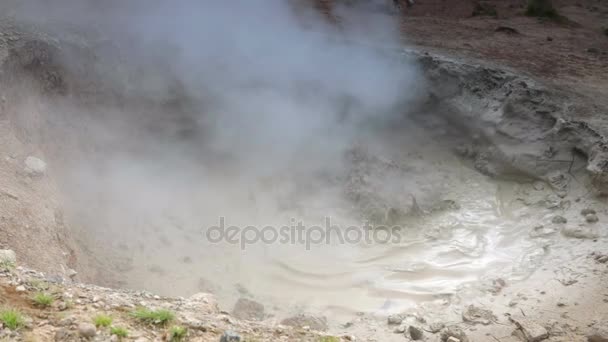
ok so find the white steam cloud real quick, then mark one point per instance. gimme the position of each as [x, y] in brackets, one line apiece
[271, 93]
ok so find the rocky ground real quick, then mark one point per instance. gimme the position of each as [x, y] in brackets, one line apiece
[80, 312]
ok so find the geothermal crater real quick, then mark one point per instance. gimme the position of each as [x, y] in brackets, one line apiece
[465, 182]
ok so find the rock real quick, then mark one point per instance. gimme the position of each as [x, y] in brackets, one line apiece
[435, 327]
[591, 218]
[416, 333]
[247, 309]
[599, 257]
[559, 220]
[66, 321]
[87, 330]
[300, 321]
[598, 333]
[588, 211]
[506, 29]
[20, 288]
[549, 39]
[400, 329]
[394, 319]
[477, 315]
[593, 50]
[62, 335]
[453, 334]
[541, 231]
[579, 233]
[230, 336]
[34, 166]
[7, 257]
[529, 330]
[71, 273]
[538, 186]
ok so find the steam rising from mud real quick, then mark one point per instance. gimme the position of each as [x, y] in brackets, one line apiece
[243, 109]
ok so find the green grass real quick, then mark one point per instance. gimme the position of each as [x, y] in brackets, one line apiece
[329, 339]
[12, 319]
[159, 317]
[177, 333]
[119, 331]
[43, 300]
[6, 265]
[102, 320]
[39, 285]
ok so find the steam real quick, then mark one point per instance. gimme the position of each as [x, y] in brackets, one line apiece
[236, 108]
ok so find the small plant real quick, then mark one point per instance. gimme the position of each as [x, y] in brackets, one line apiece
[43, 300]
[329, 339]
[119, 331]
[12, 319]
[102, 321]
[541, 8]
[7, 265]
[39, 285]
[177, 333]
[159, 317]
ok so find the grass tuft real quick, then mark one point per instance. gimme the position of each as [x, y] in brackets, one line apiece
[119, 331]
[6, 265]
[329, 339]
[43, 300]
[158, 317]
[12, 319]
[102, 320]
[177, 333]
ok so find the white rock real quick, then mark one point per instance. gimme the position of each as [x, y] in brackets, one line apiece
[34, 166]
[529, 330]
[20, 288]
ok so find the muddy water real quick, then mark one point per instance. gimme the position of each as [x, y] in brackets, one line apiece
[484, 236]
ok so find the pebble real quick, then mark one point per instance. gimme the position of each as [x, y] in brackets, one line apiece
[591, 218]
[230, 336]
[528, 330]
[20, 288]
[394, 319]
[436, 327]
[579, 233]
[476, 315]
[87, 330]
[588, 211]
[34, 166]
[416, 333]
[559, 219]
